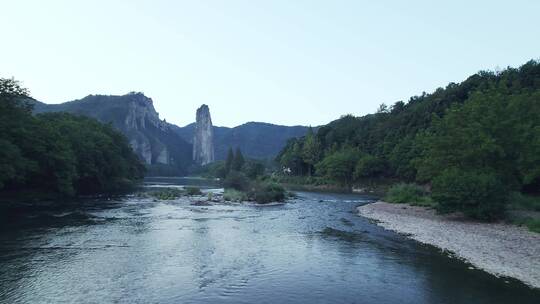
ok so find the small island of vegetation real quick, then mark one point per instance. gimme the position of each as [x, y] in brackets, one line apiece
[245, 180]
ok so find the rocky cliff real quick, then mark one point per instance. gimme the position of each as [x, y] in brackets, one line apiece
[203, 137]
[169, 149]
[256, 139]
[134, 115]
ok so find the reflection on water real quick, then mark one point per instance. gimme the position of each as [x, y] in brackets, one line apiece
[312, 250]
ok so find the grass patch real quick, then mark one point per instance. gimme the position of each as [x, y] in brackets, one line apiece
[532, 224]
[408, 194]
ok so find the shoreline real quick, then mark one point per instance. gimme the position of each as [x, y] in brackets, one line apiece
[503, 250]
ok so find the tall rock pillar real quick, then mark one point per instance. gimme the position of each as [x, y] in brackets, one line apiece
[203, 139]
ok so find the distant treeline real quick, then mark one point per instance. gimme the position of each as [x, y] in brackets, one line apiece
[59, 153]
[471, 143]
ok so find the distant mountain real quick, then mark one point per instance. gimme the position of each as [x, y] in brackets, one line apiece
[255, 139]
[134, 115]
[166, 145]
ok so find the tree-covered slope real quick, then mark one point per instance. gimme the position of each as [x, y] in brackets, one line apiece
[134, 115]
[484, 131]
[166, 145]
[59, 152]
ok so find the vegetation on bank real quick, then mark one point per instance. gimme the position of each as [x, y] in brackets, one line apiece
[59, 153]
[472, 144]
[409, 193]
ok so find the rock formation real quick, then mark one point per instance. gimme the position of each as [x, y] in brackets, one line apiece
[134, 115]
[203, 139]
[255, 139]
[139, 117]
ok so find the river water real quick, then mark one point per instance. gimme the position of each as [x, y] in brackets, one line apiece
[314, 249]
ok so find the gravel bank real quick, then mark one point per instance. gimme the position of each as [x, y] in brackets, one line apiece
[500, 249]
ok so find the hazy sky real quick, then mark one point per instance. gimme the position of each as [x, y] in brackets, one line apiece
[286, 62]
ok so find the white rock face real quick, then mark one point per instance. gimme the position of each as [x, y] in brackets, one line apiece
[140, 116]
[203, 139]
[140, 112]
[163, 157]
[141, 145]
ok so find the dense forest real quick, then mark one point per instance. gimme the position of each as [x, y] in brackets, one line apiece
[59, 153]
[470, 144]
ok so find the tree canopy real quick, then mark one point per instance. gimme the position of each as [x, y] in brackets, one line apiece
[485, 129]
[59, 152]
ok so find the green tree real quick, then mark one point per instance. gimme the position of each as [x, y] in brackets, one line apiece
[311, 151]
[16, 125]
[253, 169]
[237, 180]
[12, 163]
[229, 161]
[11, 88]
[339, 166]
[478, 194]
[291, 157]
[59, 153]
[369, 166]
[238, 161]
[391, 134]
[487, 141]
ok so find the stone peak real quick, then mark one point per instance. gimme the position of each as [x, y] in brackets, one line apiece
[203, 113]
[203, 108]
[203, 139]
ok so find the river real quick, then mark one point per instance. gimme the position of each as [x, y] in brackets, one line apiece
[314, 249]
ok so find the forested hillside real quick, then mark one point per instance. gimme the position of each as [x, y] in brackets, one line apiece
[473, 142]
[133, 114]
[59, 153]
[166, 148]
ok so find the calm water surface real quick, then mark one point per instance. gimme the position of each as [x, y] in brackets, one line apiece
[312, 250]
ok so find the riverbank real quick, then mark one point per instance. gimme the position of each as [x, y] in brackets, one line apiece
[498, 248]
[377, 187]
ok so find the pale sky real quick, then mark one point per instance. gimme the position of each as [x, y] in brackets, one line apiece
[285, 62]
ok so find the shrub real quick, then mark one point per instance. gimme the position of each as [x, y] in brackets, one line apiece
[529, 222]
[167, 193]
[192, 191]
[533, 225]
[477, 194]
[407, 193]
[524, 202]
[236, 180]
[267, 192]
[232, 195]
